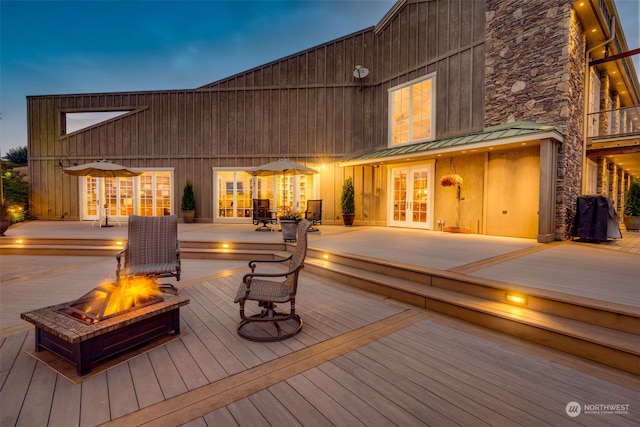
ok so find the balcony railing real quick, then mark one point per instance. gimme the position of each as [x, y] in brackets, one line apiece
[613, 123]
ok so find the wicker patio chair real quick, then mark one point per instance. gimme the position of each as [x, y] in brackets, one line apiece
[262, 214]
[314, 213]
[269, 289]
[152, 249]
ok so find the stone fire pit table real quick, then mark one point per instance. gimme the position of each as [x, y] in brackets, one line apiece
[84, 343]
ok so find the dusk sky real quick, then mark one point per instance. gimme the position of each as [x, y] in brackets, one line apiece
[67, 47]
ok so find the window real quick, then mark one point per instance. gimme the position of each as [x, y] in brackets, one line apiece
[412, 111]
[149, 194]
[73, 122]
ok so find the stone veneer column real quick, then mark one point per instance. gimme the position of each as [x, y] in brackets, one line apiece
[605, 105]
[616, 123]
[601, 186]
[613, 183]
[534, 62]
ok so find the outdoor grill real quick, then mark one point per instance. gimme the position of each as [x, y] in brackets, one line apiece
[87, 330]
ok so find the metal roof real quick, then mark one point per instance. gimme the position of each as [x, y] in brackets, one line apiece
[508, 133]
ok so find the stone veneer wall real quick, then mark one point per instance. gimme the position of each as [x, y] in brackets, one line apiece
[534, 66]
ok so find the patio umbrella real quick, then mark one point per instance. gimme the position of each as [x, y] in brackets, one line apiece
[101, 169]
[281, 167]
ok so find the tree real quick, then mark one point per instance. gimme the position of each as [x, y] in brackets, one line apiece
[17, 156]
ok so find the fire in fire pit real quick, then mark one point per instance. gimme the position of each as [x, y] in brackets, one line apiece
[110, 299]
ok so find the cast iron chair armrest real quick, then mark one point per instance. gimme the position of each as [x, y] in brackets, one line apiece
[118, 256]
[249, 276]
[253, 262]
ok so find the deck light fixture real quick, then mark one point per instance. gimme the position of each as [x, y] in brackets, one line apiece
[516, 299]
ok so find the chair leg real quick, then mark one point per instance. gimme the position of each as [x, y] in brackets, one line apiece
[286, 325]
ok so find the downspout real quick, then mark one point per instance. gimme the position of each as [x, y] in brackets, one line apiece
[587, 86]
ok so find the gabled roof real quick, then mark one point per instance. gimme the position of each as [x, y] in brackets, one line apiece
[494, 136]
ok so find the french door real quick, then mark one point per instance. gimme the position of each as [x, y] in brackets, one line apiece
[411, 196]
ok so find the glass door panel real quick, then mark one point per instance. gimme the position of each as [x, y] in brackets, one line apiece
[125, 196]
[399, 194]
[162, 193]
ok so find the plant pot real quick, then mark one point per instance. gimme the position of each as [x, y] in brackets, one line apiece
[188, 216]
[632, 223]
[347, 219]
[4, 226]
[289, 229]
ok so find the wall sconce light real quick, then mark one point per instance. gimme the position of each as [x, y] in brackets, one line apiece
[516, 299]
[360, 73]
[61, 164]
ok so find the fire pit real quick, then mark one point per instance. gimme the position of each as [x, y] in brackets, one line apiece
[98, 325]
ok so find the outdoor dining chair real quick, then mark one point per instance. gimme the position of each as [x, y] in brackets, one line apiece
[262, 214]
[152, 249]
[314, 213]
[271, 288]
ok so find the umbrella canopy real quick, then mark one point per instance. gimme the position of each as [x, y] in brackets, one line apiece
[281, 166]
[101, 169]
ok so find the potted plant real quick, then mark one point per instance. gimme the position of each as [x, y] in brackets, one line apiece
[632, 207]
[188, 204]
[289, 224]
[347, 202]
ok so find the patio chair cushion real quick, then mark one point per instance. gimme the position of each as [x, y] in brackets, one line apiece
[265, 290]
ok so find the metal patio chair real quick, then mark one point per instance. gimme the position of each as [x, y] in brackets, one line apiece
[269, 289]
[314, 213]
[152, 249]
[262, 214]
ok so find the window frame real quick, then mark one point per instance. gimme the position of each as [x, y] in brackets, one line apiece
[432, 105]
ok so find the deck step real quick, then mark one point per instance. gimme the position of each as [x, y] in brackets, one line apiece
[109, 247]
[610, 346]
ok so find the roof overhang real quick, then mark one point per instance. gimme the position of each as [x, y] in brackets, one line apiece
[507, 136]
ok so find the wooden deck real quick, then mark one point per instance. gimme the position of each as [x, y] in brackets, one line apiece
[359, 360]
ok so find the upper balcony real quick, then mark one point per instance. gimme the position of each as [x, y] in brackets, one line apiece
[616, 135]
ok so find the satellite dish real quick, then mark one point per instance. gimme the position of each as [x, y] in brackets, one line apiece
[360, 72]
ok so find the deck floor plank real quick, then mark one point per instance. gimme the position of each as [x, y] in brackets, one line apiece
[247, 414]
[355, 404]
[9, 352]
[168, 375]
[37, 403]
[148, 390]
[300, 408]
[94, 406]
[17, 383]
[191, 374]
[274, 411]
[122, 393]
[323, 402]
[221, 417]
[66, 403]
